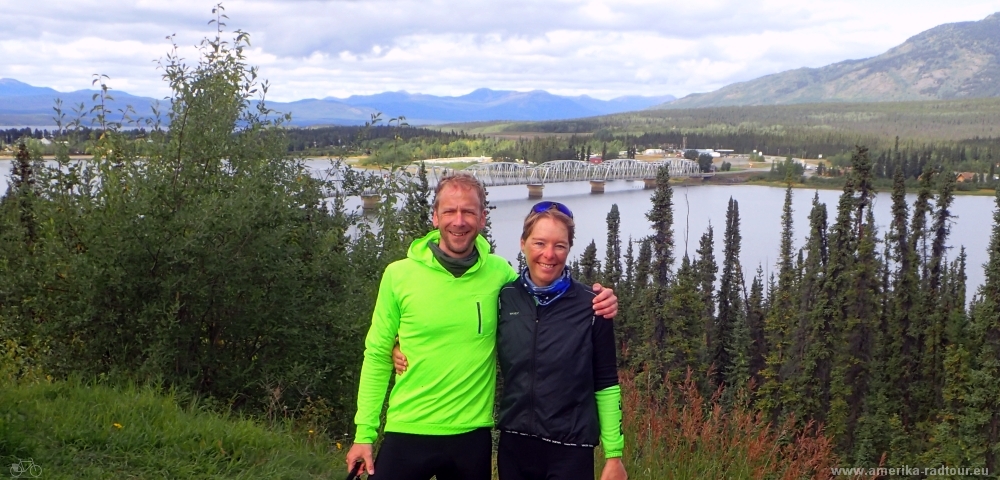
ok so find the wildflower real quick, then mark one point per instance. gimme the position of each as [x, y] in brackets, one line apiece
[117, 425]
[338, 445]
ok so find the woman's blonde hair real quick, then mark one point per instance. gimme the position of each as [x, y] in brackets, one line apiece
[552, 213]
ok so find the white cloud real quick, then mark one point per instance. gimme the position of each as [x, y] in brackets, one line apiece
[604, 48]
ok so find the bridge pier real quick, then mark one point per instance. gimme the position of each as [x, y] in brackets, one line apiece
[535, 190]
[649, 183]
[597, 186]
[370, 202]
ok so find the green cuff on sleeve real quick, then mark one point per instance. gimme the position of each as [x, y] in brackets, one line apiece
[609, 413]
[366, 434]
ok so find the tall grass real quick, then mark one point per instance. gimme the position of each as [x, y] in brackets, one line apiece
[76, 430]
[683, 435]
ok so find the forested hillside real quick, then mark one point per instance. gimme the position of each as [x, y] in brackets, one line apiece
[955, 60]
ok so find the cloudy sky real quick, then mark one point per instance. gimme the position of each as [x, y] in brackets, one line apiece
[602, 48]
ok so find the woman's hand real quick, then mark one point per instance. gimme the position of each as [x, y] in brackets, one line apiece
[399, 360]
[614, 469]
[606, 302]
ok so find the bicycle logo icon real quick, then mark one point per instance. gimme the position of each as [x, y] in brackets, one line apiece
[25, 467]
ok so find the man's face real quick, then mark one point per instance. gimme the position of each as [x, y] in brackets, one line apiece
[459, 218]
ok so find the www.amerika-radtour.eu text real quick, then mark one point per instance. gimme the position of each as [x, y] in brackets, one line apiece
[908, 470]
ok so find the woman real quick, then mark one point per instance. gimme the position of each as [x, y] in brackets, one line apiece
[560, 380]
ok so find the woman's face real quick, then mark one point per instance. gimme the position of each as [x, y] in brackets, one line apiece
[545, 250]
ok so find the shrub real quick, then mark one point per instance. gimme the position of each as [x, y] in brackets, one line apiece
[199, 256]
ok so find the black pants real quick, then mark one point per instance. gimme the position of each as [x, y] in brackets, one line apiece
[405, 456]
[529, 458]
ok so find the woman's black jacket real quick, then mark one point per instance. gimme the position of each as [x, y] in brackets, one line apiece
[552, 359]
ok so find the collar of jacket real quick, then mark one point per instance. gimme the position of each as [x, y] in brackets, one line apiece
[421, 252]
[571, 292]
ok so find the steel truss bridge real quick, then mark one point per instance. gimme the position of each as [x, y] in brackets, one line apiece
[506, 173]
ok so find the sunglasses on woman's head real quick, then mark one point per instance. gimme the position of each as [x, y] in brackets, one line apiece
[542, 207]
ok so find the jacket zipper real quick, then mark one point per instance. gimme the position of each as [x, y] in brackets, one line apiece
[479, 312]
[534, 351]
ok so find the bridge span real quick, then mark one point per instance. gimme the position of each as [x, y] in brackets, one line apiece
[536, 176]
[507, 173]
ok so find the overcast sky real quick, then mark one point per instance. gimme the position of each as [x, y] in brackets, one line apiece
[315, 49]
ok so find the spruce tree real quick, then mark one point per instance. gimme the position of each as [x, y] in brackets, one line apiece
[683, 315]
[613, 250]
[833, 301]
[730, 299]
[625, 323]
[643, 265]
[857, 294]
[705, 270]
[812, 340]
[756, 310]
[777, 391]
[416, 211]
[628, 285]
[661, 215]
[934, 304]
[590, 267]
[662, 243]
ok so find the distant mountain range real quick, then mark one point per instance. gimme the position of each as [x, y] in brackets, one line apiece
[22, 104]
[950, 61]
[954, 60]
[25, 105]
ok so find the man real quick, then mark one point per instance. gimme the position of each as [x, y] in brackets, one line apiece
[441, 304]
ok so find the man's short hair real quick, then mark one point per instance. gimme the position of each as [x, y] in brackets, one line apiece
[463, 180]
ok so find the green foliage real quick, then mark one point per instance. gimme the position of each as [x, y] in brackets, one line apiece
[590, 267]
[705, 162]
[613, 250]
[200, 257]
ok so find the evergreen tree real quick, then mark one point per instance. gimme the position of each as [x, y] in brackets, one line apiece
[833, 301]
[628, 285]
[756, 311]
[662, 243]
[934, 306]
[857, 295]
[705, 270]
[613, 251]
[23, 190]
[643, 265]
[625, 323]
[684, 322]
[730, 300]
[590, 268]
[416, 211]
[777, 392]
[661, 215]
[812, 338]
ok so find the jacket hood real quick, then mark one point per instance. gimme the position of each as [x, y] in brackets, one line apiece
[420, 251]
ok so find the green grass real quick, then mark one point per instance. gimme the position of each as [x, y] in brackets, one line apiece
[76, 430]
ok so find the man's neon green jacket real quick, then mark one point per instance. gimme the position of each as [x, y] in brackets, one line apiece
[447, 327]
